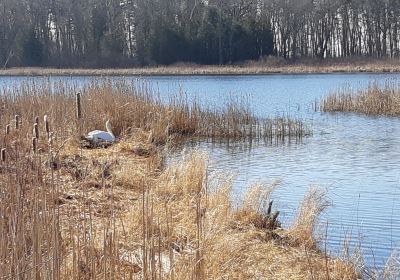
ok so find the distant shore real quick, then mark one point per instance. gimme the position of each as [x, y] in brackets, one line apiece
[256, 68]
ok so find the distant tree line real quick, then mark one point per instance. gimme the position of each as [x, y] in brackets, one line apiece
[111, 33]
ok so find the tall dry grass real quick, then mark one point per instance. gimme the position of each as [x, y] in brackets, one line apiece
[192, 230]
[117, 213]
[135, 106]
[375, 100]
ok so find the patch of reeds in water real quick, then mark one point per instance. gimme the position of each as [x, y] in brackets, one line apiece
[236, 121]
[375, 100]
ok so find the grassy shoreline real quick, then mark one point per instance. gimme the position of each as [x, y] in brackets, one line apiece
[121, 213]
[251, 68]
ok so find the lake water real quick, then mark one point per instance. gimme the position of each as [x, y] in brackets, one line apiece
[356, 158]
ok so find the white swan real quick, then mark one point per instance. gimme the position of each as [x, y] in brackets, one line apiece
[98, 136]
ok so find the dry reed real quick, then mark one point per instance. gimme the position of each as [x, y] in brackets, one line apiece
[374, 100]
[46, 126]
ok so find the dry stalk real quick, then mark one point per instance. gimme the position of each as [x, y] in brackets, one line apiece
[3, 155]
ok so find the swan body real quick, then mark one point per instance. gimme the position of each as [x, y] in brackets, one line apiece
[99, 136]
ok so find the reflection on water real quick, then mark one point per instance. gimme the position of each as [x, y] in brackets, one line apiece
[357, 158]
[360, 172]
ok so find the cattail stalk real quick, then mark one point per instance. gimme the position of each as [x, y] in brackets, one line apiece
[3, 155]
[36, 130]
[16, 122]
[34, 144]
[78, 106]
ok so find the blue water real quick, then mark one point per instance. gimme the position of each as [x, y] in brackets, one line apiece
[356, 158]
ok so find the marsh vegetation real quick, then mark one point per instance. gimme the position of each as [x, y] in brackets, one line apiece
[120, 213]
[375, 100]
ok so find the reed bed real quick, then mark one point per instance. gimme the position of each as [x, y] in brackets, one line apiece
[375, 100]
[130, 107]
[120, 213]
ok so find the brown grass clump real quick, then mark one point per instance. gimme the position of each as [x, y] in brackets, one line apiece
[119, 213]
[310, 210]
[374, 100]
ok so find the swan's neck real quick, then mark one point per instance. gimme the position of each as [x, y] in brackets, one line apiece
[110, 131]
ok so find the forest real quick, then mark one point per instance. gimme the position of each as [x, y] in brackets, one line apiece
[130, 33]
